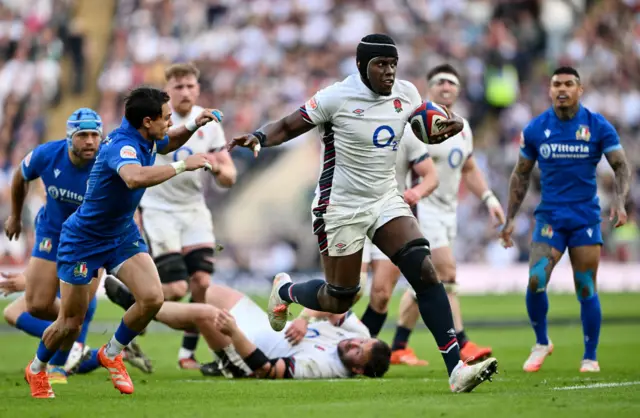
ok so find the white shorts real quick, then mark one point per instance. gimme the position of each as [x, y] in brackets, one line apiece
[169, 232]
[371, 253]
[341, 231]
[439, 227]
[254, 323]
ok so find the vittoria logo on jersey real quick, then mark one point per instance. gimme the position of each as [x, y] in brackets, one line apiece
[80, 270]
[45, 245]
[583, 134]
[564, 151]
[547, 231]
[65, 195]
[397, 105]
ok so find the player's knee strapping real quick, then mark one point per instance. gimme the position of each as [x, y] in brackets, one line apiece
[538, 270]
[409, 260]
[450, 287]
[585, 284]
[341, 292]
[199, 260]
[171, 268]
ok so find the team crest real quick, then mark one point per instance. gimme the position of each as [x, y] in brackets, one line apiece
[397, 105]
[583, 134]
[45, 245]
[200, 134]
[547, 231]
[80, 270]
[312, 103]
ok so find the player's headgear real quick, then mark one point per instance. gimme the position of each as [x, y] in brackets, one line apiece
[83, 119]
[373, 46]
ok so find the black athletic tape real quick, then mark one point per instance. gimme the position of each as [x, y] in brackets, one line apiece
[262, 137]
[410, 246]
[256, 360]
[200, 259]
[340, 292]
[171, 268]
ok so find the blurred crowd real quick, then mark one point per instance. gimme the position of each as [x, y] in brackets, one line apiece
[260, 59]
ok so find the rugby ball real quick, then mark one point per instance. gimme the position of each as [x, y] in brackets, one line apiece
[427, 122]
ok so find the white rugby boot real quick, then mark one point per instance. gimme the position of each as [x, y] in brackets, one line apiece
[466, 377]
[538, 354]
[278, 309]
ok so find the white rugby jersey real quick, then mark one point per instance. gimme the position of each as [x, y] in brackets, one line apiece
[411, 151]
[361, 132]
[448, 158]
[316, 356]
[184, 191]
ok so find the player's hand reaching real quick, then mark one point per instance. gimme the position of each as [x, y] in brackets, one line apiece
[12, 283]
[505, 234]
[13, 227]
[208, 115]
[246, 141]
[226, 323]
[296, 331]
[196, 161]
[451, 127]
[618, 213]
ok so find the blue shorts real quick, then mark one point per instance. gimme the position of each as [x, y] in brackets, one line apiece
[46, 245]
[561, 238]
[80, 257]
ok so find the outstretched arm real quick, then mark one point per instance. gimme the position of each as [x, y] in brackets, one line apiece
[179, 135]
[618, 162]
[518, 185]
[477, 184]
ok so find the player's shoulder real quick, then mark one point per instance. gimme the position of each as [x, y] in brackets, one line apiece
[537, 125]
[52, 146]
[408, 89]
[594, 118]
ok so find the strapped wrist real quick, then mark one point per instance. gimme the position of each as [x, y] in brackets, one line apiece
[191, 125]
[179, 166]
[262, 137]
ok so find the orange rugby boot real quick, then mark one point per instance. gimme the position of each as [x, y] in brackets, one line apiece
[39, 383]
[408, 357]
[472, 353]
[119, 376]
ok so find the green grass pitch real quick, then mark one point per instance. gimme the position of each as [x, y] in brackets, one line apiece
[558, 390]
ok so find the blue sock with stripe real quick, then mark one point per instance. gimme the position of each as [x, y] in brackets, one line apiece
[591, 316]
[32, 325]
[537, 308]
[89, 365]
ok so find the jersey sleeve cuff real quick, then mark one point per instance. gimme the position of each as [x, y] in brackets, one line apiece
[612, 148]
[24, 173]
[123, 163]
[305, 115]
[421, 158]
[525, 155]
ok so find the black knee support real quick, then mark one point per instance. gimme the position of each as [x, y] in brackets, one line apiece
[199, 260]
[409, 260]
[171, 268]
[342, 293]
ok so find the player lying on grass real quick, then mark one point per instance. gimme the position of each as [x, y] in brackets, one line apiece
[238, 332]
[81, 354]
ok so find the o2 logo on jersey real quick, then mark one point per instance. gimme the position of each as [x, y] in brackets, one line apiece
[380, 139]
[455, 158]
[180, 152]
[545, 150]
[312, 333]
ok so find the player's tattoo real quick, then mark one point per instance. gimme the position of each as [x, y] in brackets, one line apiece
[620, 166]
[542, 260]
[518, 185]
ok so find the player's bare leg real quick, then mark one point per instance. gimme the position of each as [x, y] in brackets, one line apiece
[59, 335]
[199, 263]
[139, 274]
[401, 240]
[542, 260]
[335, 295]
[41, 288]
[585, 261]
[408, 314]
[385, 278]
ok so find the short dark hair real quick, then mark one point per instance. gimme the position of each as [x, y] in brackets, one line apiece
[181, 69]
[442, 68]
[144, 102]
[380, 359]
[566, 70]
